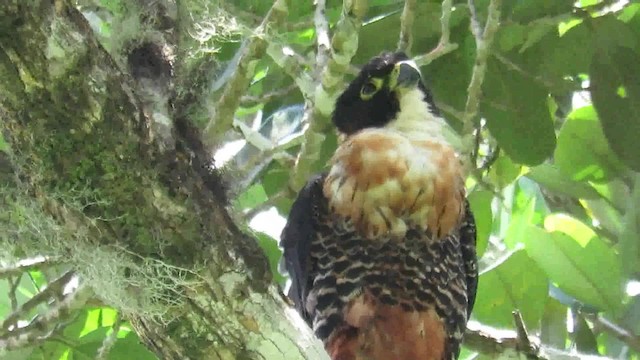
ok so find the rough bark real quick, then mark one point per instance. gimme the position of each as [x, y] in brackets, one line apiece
[91, 157]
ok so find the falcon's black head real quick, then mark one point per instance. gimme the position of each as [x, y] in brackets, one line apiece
[372, 99]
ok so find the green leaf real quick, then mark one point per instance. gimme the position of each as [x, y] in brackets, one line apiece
[530, 10]
[586, 342]
[553, 331]
[629, 244]
[585, 269]
[517, 116]
[528, 208]
[480, 202]
[270, 247]
[130, 347]
[583, 153]
[553, 179]
[503, 172]
[252, 197]
[537, 29]
[516, 282]
[510, 36]
[275, 178]
[615, 91]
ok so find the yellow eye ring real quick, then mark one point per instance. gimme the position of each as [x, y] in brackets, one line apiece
[370, 88]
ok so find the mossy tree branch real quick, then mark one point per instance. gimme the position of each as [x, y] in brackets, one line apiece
[105, 186]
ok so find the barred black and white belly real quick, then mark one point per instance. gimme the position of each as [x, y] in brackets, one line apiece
[416, 273]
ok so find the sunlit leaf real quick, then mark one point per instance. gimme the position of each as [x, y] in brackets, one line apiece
[528, 208]
[614, 69]
[516, 282]
[590, 272]
[552, 178]
[480, 202]
[583, 153]
[270, 247]
[252, 197]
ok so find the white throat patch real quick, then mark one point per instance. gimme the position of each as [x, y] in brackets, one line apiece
[415, 120]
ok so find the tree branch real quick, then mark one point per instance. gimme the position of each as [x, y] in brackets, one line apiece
[406, 26]
[344, 45]
[24, 265]
[483, 49]
[252, 49]
[620, 333]
[507, 344]
[444, 46]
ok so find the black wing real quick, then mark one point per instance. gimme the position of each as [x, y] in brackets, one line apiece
[469, 256]
[296, 240]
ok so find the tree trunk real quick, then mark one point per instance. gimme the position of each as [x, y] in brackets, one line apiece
[124, 191]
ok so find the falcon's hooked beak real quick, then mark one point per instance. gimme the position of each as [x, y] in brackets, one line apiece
[405, 75]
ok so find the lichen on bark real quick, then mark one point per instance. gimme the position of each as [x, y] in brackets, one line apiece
[143, 220]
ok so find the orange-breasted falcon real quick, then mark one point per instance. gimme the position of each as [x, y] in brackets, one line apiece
[381, 248]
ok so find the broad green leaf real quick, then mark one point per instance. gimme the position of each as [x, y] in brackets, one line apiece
[569, 54]
[450, 73]
[566, 224]
[252, 197]
[629, 12]
[270, 247]
[531, 10]
[510, 36]
[628, 239]
[537, 29]
[503, 172]
[615, 91]
[552, 178]
[516, 282]
[516, 111]
[480, 202]
[528, 207]
[583, 153]
[130, 347]
[589, 272]
[553, 330]
[607, 216]
[275, 178]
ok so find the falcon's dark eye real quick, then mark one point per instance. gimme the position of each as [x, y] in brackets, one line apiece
[370, 88]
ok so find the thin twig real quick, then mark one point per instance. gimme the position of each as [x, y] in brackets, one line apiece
[249, 100]
[270, 202]
[294, 65]
[253, 48]
[449, 110]
[483, 49]
[444, 46]
[14, 283]
[44, 325]
[51, 291]
[476, 28]
[522, 334]
[110, 340]
[322, 36]
[25, 265]
[620, 333]
[406, 26]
